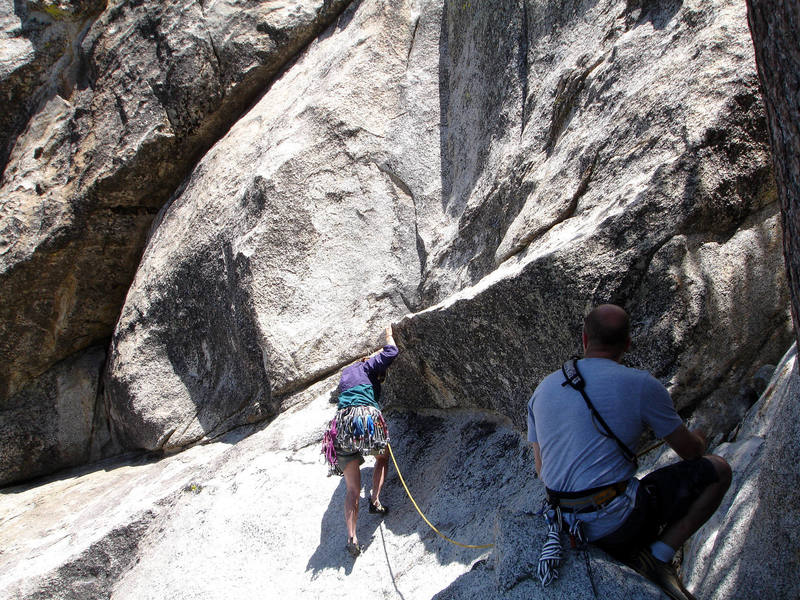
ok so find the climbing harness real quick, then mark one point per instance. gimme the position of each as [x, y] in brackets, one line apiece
[424, 518]
[576, 503]
[551, 555]
[586, 500]
[354, 429]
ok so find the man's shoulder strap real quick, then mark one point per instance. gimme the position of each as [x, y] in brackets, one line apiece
[574, 379]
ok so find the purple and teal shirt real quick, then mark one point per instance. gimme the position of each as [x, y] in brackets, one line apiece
[360, 385]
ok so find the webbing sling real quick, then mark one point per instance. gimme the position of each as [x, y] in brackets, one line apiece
[575, 380]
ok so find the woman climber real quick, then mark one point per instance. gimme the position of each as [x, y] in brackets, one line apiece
[358, 430]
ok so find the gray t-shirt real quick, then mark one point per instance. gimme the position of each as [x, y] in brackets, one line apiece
[575, 454]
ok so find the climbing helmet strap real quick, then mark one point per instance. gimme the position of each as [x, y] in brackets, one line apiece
[574, 379]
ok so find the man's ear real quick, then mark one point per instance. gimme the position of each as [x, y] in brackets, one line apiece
[585, 339]
[628, 344]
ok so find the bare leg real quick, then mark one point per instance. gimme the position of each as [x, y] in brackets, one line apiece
[702, 508]
[378, 477]
[352, 479]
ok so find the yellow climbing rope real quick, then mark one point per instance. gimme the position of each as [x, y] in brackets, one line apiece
[400, 475]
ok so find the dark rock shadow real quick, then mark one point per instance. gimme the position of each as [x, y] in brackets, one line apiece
[331, 552]
[656, 12]
[211, 338]
[460, 468]
[476, 88]
[489, 88]
[130, 459]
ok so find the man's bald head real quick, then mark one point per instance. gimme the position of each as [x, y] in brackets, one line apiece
[607, 331]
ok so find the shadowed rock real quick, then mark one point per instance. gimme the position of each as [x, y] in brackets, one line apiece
[56, 422]
[510, 571]
[748, 549]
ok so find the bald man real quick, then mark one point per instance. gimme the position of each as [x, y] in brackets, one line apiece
[587, 466]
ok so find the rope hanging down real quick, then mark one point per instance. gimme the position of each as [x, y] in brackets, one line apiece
[400, 475]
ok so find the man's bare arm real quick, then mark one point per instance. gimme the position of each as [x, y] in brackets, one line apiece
[537, 458]
[687, 444]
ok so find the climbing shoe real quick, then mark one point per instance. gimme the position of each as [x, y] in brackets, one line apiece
[378, 509]
[353, 548]
[662, 574]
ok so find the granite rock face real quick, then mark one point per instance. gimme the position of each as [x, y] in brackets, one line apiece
[513, 164]
[479, 173]
[214, 520]
[775, 30]
[510, 571]
[204, 523]
[748, 549]
[38, 58]
[494, 171]
[56, 422]
[627, 162]
[109, 113]
[293, 241]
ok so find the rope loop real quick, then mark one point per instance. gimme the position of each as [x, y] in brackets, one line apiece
[551, 555]
[424, 518]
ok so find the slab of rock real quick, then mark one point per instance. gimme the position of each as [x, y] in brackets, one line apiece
[235, 516]
[74, 535]
[116, 111]
[490, 345]
[293, 242]
[748, 549]
[635, 170]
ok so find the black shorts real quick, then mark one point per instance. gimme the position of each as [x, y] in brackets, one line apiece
[664, 496]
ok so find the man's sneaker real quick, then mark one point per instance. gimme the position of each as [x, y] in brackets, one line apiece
[353, 548]
[378, 508]
[662, 574]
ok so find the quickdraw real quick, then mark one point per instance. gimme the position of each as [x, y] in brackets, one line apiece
[355, 429]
